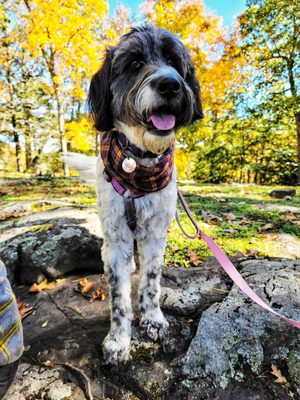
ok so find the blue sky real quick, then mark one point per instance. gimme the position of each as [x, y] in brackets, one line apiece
[225, 8]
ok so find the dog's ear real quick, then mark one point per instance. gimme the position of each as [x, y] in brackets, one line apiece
[99, 98]
[193, 83]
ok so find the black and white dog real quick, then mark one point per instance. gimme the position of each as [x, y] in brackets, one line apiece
[145, 89]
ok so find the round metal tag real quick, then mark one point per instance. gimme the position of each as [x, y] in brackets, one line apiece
[129, 165]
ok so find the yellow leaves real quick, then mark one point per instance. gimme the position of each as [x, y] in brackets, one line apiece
[97, 295]
[41, 228]
[80, 134]
[44, 285]
[61, 32]
[86, 285]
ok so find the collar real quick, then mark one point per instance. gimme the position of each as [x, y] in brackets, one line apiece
[133, 149]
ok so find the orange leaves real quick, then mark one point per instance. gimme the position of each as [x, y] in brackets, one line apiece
[24, 309]
[86, 285]
[44, 285]
[97, 295]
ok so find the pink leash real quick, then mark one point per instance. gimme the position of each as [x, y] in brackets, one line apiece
[227, 264]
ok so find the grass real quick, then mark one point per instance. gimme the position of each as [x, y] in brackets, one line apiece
[237, 216]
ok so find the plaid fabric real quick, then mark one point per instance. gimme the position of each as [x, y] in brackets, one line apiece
[11, 333]
[143, 179]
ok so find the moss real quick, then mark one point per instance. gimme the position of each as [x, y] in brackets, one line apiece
[293, 362]
[142, 354]
[155, 390]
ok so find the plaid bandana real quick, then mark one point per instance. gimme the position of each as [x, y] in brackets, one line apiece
[142, 179]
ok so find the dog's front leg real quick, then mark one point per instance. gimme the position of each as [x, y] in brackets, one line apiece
[151, 252]
[118, 260]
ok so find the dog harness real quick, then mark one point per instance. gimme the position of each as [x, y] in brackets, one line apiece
[115, 151]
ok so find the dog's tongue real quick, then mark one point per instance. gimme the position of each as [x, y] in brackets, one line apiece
[162, 122]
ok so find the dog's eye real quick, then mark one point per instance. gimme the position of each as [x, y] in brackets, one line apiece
[137, 64]
[170, 61]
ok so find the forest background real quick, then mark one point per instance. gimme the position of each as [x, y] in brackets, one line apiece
[249, 75]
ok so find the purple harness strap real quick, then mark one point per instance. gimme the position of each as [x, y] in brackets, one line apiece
[128, 201]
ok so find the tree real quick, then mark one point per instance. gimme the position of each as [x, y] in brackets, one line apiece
[65, 35]
[24, 106]
[270, 32]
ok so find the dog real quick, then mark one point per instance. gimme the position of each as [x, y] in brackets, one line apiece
[145, 90]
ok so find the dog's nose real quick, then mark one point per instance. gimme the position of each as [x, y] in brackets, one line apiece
[167, 85]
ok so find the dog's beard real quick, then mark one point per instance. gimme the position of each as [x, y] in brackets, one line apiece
[141, 137]
[158, 144]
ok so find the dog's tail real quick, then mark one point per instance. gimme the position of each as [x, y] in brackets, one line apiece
[84, 165]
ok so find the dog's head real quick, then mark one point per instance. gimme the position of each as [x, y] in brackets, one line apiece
[146, 88]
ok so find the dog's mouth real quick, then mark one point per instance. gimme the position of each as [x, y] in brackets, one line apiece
[161, 121]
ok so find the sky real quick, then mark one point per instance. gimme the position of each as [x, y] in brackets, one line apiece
[225, 8]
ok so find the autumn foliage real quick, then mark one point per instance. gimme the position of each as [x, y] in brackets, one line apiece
[249, 77]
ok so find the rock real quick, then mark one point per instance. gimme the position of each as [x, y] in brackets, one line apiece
[38, 382]
[282, 193]
[33, 256]
[67, 244]
[236, 339]
[219, 346]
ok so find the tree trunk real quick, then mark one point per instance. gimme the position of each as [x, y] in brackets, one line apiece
[61, 128]
[28, 152]
[297, 116]
[18, 153]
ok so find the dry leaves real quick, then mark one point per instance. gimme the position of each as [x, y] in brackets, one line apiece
[48, 363]
[86, 285]
[97, 295]
[24, 310]
[195, 258]
[44, 285]
[210, 218]
[265, 227]
[253, 252]
[229, 216]
[277, 373]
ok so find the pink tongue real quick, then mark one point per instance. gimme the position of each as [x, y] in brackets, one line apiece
[162, 122]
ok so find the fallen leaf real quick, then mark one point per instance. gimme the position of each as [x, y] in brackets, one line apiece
[231, 231]
[210, 217]
[86, 285]
[243, 221]
[24, 310]
[276, 372]
[290, 216]
[48, 363]
[45, 324]
[41, 228]
[253, 252]
[219, 290]
[44, 285]
[195, 258]
[97, 295]
[229, 216]
[265, 227]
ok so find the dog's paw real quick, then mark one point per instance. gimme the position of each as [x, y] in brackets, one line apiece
[154, 328]
[115, 348]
